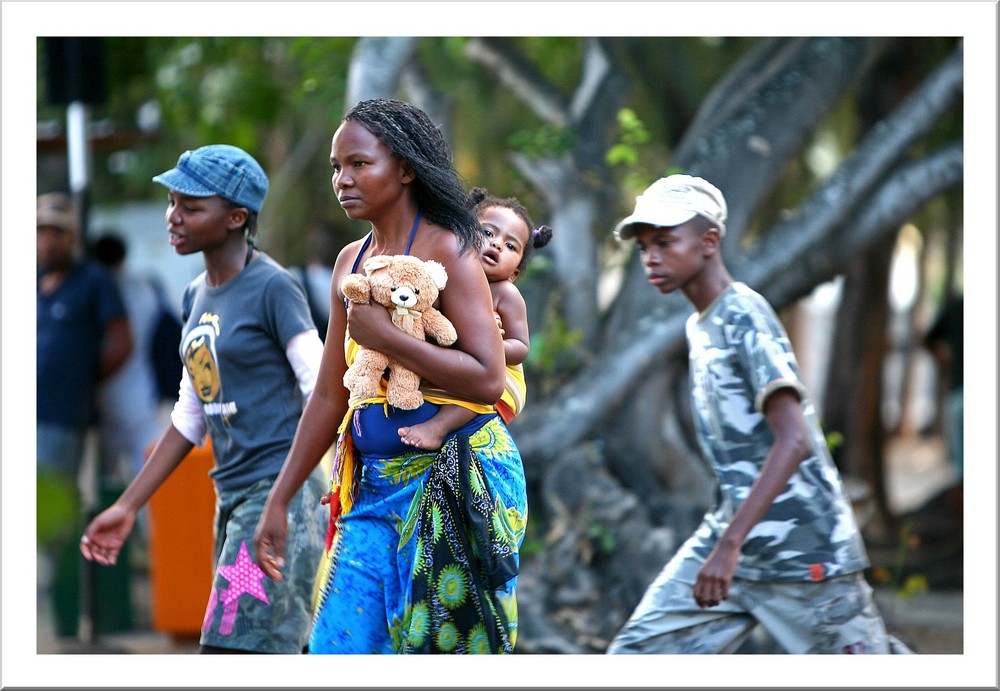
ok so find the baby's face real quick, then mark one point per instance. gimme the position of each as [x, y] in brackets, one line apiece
[506, 237]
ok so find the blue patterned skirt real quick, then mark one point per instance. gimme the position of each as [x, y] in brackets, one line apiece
[426, 559]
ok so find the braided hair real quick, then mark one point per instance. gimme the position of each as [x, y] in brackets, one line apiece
[480, 200]
[410, 134]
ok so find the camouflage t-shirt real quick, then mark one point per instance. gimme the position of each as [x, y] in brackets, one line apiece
[740, 355]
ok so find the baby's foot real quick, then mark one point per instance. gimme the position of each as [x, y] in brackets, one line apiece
[422, 436]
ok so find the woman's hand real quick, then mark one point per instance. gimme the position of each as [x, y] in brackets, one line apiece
[269, 540]
[368, 323]
[105, 535]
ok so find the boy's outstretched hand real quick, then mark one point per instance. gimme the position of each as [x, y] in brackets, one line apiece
[105, 535]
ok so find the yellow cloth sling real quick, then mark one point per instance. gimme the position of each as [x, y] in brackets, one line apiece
[515, 392]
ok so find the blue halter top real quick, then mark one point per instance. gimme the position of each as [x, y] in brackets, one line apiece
[368, 242]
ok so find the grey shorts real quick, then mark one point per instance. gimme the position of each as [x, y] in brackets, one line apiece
[246, 609]
[836, 616]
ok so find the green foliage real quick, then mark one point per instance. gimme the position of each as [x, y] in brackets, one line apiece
[558, 59]
[602, 538]
[914, 584]
[321, 67]
[633, 140]
[546, 140]
[58, 512]
[625, 152]
[534, 542]
[834, 440]
[226, 88]
[553, 349]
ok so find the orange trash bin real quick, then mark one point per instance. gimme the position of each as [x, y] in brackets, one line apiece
[181, 515]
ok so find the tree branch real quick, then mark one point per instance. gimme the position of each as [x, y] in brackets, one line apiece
[376, 66]
[751, 127]
[744, 152]
[501, 57]
[609, 379]
[898, 196]
[849, 187]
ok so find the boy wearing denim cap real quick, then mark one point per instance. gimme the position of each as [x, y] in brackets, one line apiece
[251, 354]
[779, 546]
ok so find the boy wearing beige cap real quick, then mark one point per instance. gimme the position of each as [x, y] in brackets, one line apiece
[779, 546]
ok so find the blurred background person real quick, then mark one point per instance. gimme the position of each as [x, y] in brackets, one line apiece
[317, 274]
[128, 402]
[83, 338]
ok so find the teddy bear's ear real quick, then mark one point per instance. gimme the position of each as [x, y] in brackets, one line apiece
[374, 263]
[437, 273]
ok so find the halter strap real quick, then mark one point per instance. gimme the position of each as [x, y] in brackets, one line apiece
[368, 242]
[413, 232]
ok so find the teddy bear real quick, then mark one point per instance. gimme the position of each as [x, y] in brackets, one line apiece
[408, 287]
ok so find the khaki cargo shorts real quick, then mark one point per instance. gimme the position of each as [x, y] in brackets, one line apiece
[246, 609]
[836, 616]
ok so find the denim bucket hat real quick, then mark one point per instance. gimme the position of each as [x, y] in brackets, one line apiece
[218, 169]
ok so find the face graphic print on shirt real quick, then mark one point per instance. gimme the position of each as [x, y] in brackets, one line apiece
[202, 362]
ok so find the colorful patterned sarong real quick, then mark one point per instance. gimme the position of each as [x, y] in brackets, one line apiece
[425, 559]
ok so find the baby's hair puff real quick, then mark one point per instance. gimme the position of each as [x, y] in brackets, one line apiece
[480, 199]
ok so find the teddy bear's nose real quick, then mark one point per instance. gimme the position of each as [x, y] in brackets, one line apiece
[404, 297]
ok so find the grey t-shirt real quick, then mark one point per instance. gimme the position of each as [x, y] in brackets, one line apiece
[233, 347]
[739, 355]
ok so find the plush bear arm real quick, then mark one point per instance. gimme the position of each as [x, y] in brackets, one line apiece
[356, 288]
[439, 327]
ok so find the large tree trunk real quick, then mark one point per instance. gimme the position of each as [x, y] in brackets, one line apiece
[377, 65]
[853, 405]
[575, 183]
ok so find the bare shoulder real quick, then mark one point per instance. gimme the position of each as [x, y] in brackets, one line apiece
[505, 293]
[440, 244]
[345, 262]
[508, 301]
[349, 253]
[443, 246]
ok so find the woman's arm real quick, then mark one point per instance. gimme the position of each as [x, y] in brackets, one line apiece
[316, 431]
[474, 367]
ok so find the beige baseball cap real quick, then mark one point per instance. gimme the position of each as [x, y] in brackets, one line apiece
[674, 200]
